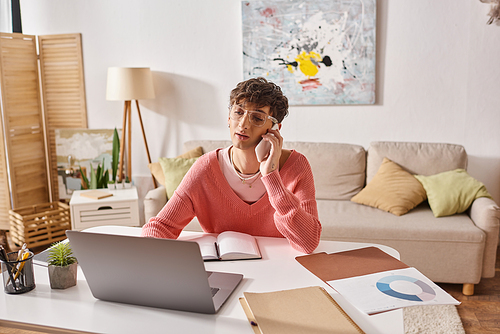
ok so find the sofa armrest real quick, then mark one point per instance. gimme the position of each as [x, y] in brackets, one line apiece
[485, 213]
[154, 201]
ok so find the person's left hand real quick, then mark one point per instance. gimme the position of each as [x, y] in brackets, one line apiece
[272, 162]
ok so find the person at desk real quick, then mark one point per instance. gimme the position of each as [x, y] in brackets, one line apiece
[230, 190]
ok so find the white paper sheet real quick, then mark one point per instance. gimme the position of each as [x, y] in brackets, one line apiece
[390, 290]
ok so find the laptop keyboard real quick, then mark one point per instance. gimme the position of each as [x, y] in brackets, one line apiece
[214, 291]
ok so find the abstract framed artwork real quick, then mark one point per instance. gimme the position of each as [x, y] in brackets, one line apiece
[77, 148]
[318, 52]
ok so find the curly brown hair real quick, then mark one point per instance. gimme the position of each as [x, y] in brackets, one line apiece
[262, 93]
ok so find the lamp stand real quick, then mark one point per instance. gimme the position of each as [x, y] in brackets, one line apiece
[127, 112]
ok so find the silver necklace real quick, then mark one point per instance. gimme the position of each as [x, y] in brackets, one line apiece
[244, 180]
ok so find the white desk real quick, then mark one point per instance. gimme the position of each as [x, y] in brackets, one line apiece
[76, 309]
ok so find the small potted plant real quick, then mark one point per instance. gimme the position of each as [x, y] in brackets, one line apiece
[119, 184]
[111, 185]
[127, 183]
[62, 266]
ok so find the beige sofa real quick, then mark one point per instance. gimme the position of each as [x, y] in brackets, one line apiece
[456, 249]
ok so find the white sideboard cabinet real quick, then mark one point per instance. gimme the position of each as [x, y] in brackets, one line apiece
[122, 208]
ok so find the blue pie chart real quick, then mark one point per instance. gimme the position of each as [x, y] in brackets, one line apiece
[384, 286]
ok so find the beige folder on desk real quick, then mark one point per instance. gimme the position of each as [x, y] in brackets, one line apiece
[96, 194]
[297, 311]
[357, 262]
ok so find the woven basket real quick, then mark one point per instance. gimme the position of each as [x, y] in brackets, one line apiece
[40, 224]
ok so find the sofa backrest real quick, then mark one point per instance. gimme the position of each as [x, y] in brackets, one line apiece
[338, 169]
[207, 145]
[416, 158]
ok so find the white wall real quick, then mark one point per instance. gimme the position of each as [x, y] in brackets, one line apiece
[437, 74]
[6, 16]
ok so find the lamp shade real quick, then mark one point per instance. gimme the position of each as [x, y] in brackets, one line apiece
[129, 83]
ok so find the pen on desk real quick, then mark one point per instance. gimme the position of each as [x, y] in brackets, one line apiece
[21, 252]
[20, 255]
[6, 258]
[217, 250]
[16, 269]
[21, 265]
[3, 254]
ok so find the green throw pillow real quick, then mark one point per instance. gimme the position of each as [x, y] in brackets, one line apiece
[174, 170]
[157, 171]
[451, 192]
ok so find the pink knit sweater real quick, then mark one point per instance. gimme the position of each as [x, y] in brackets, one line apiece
[288, 209]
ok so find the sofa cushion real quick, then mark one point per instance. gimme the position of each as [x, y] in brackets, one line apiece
[157, 171]
[346, 220]
[174, 170]
[452, 192]
[339, 169]
[416, 158]
[392, 189]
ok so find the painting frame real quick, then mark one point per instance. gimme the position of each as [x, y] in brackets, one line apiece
[80, 148]
[318, 52]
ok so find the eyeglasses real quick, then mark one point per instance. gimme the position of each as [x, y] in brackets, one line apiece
[256, 118]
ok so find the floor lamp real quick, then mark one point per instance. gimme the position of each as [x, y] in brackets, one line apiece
[127, 84]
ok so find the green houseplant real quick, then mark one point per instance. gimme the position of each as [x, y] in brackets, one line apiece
[127, 184]
[111, 185]
[98, 177]
[116, 155]
[62, 266]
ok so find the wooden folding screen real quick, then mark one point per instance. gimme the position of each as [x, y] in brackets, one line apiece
[22, 121]
[23, 154]
[4, 185]
[63, 88]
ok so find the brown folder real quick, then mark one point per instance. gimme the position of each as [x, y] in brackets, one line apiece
[352, 263]
[297, 311]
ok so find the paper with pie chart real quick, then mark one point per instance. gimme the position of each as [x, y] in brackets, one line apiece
[389, 290]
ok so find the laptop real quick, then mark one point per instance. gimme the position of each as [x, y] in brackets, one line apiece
[151, 272]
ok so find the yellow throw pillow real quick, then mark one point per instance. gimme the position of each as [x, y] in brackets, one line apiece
[157, 171]
[451, 192]
[194, 153]
[392, 189]
[174, 170]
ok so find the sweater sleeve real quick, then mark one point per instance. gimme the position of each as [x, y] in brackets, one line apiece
[170, 221]
[177, 213]
[296, 212]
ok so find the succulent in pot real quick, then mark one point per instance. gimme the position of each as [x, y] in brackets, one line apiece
[127, 183]
[62, 266]
[111, 185]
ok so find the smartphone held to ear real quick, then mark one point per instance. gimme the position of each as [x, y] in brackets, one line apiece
[264, 147]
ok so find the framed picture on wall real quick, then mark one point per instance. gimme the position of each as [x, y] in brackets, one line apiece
[318, 52]
[77, 148]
